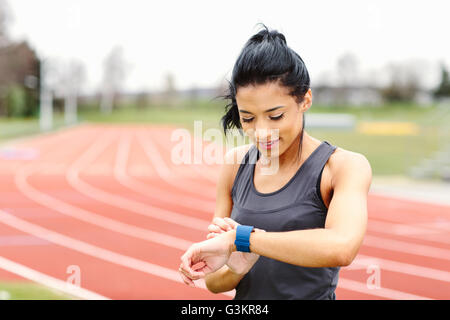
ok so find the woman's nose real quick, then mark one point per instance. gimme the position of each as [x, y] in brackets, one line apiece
[265, 134]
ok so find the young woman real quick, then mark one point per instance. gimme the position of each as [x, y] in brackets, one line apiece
[313, 207]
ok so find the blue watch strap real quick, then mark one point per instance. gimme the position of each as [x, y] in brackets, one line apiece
[242, 241]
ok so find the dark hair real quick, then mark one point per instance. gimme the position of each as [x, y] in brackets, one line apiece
[265, 58]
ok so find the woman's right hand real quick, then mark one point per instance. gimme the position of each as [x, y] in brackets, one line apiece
[238, 262]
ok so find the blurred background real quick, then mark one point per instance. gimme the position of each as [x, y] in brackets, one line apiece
[379, 72]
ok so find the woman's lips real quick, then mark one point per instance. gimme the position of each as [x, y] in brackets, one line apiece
[269, 144]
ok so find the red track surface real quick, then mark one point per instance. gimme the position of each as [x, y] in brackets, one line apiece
[108, 196]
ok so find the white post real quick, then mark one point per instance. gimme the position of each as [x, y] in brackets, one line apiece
[70, 108]
[46, 101]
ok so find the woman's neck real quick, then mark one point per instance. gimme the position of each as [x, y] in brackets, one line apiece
[291, 157]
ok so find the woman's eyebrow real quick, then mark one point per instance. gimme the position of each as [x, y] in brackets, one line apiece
[268, 110]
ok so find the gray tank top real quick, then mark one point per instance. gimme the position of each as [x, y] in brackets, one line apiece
[297, 205]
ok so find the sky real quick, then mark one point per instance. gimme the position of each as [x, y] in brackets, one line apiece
[199, 41]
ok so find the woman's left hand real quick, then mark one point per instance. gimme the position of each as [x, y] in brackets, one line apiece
[206, 257]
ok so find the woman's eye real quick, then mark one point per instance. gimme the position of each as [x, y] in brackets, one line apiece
[277, 117]
[271, 118]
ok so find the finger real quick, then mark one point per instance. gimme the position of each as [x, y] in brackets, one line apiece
[211, 235]
[259, 230]
[222, 224]
[214, 228]
[198, 265]
[186, 262]
[188, 275]
[231, 222]
[186, 280]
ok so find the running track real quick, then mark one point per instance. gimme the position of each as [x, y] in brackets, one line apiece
[109, 201]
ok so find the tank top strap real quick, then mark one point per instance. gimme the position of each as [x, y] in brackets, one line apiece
[315, 163]
[321, 156]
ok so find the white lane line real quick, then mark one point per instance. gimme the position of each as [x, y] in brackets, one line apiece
[50, 282]
[119, 201]
[404, 214]
[401, 229]
[21, 240]
[148, 190]
[408, 231]
[405, 247]
[145, 140]
[356, 286]
[93, 218]
[205, 171]
[94, 251]
[440, 224]
[363, 261]
[409, 196]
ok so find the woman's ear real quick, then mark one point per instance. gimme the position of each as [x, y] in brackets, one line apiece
[307, 101]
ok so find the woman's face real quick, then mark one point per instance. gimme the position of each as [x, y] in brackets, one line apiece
[270, 116]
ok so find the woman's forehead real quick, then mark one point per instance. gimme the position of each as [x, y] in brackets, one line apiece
[262, 97]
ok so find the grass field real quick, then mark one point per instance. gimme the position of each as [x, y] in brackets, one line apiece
[28, 291]
[16, 128]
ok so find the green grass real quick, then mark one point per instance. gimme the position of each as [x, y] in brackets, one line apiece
[21, 127]
[29, 291]
[183, 115]
[388, 155]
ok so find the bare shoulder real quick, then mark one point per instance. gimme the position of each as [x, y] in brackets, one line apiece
[229, 168]
[235, 155]
[348, 167]
[231, 162]
[233, 158]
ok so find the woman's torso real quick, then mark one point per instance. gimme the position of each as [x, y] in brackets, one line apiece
[301, 203]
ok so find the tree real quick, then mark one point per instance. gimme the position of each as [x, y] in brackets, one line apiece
[404, 82]
[347, 71]
[74, 76]
[347, 68]
[19, 66]
[443, 90]
[114, 72]
[5, 18]
[169, 89]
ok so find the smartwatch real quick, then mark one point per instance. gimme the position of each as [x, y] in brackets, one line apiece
[242, 241]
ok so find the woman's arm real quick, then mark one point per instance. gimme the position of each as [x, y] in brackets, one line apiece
[338, 243]
[222, 280]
